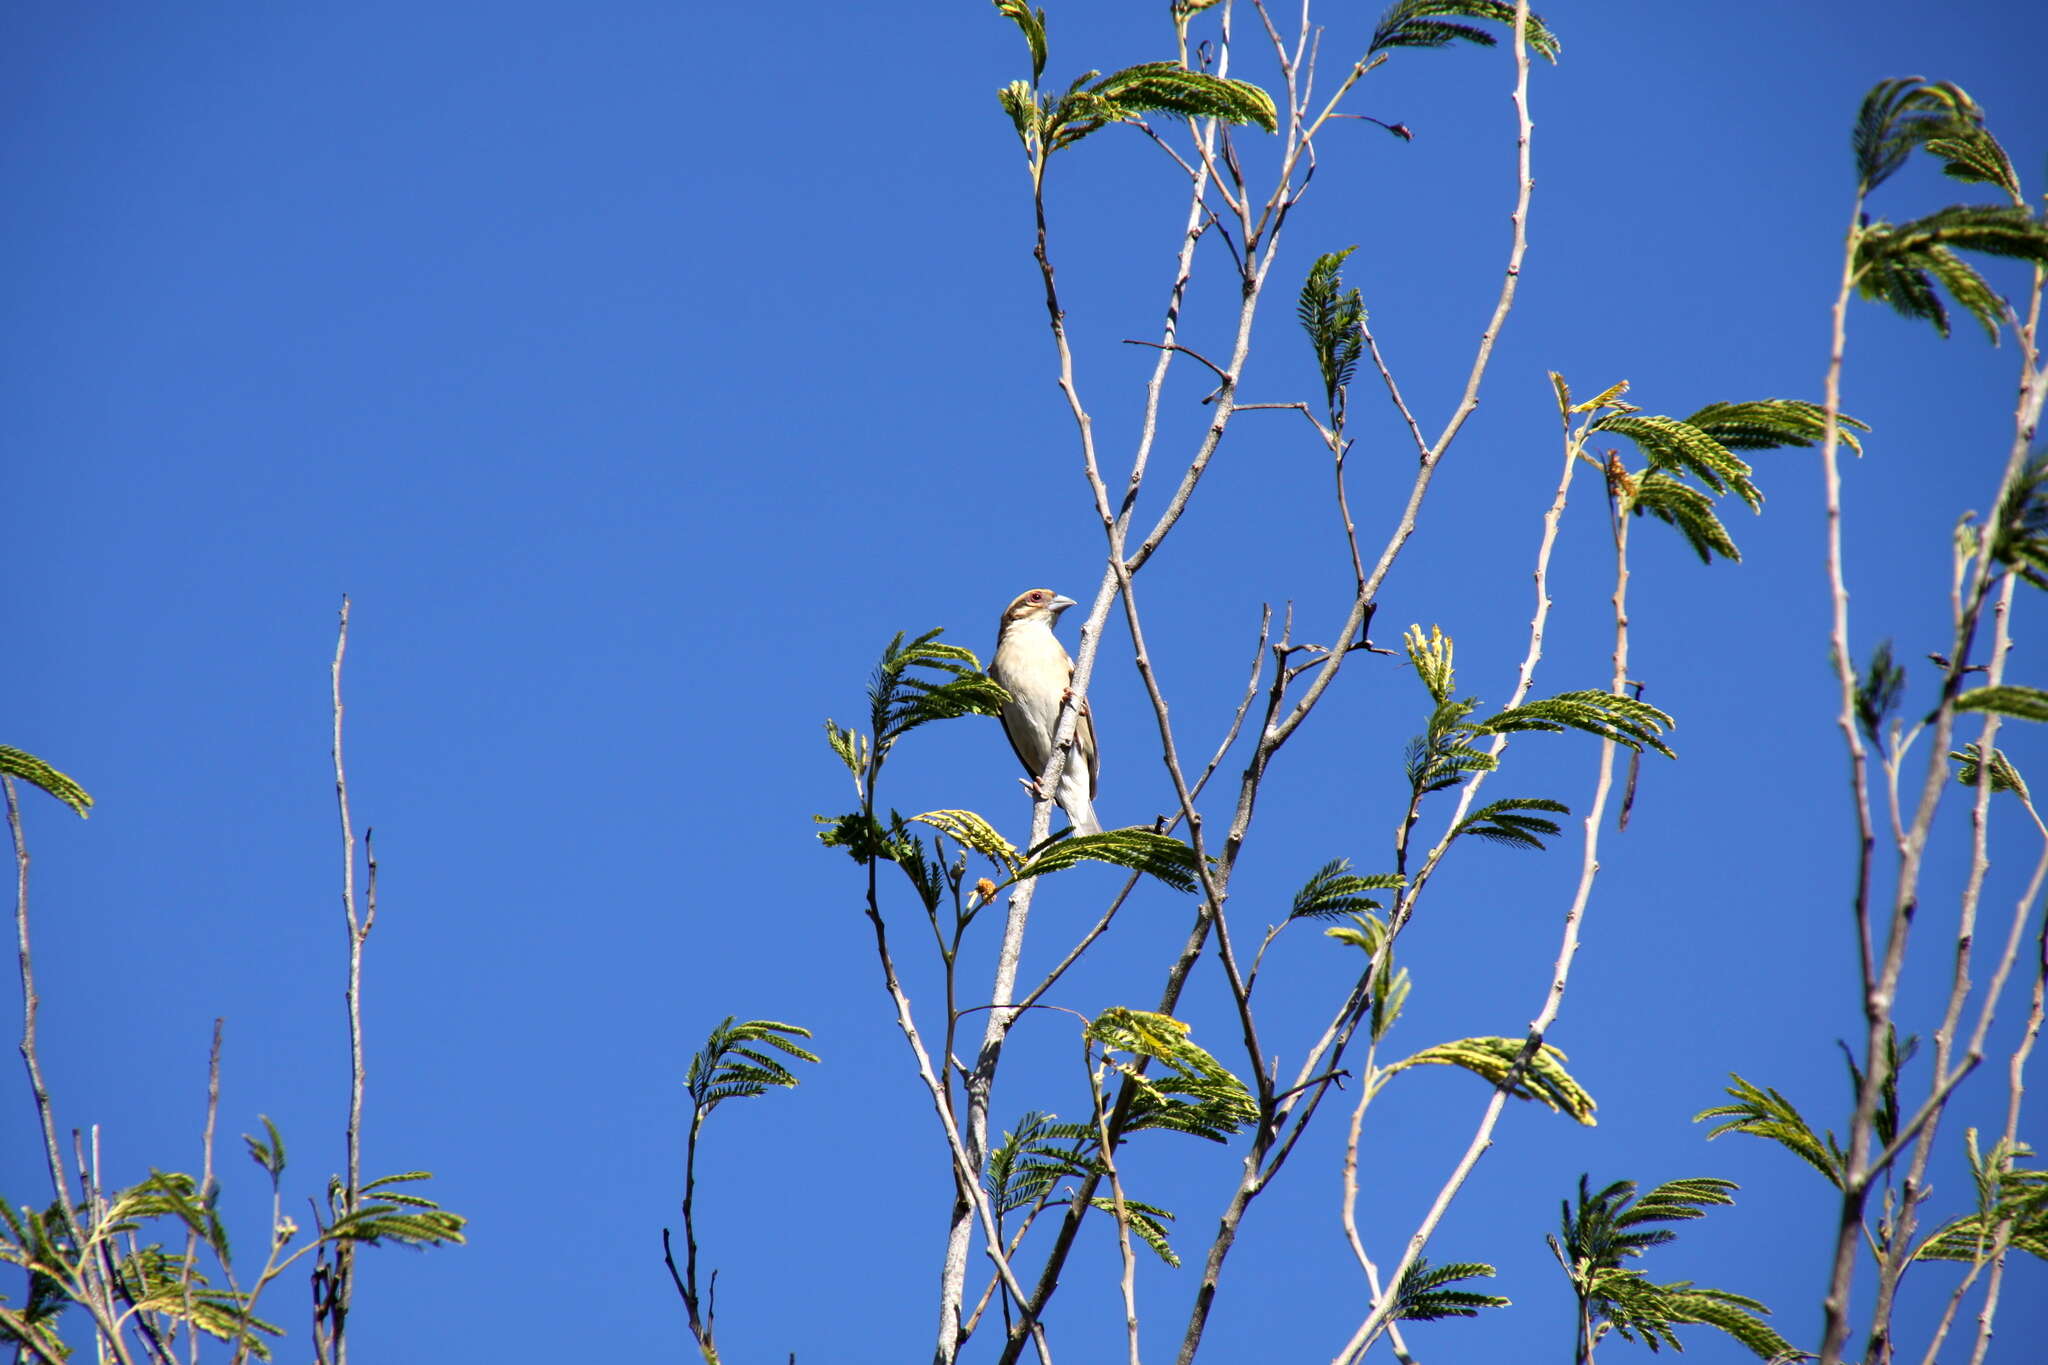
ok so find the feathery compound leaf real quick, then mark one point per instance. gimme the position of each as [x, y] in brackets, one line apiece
[1365, 933]
[37, 773]
[1544, 1079]
[1879, 691]
[2021, 703]
[1331, 316]
[1965, 286]
[382, 1221]
[1885, 1122]
[1436, 23]
[1390, 985]
[731, 1064]
[1032, 22]
[1902, 285]
[1765, 1113]
[1605, 398]
[1421, 1295]
[1563, 391]
[1431, 656]
[1971, 154]
[926, 681]
[1148, 1221]
[1625, 720]
[1156, 855]
[1676, 1200]
[2004, 777]
[1199, 1096]
[267, 1152]
[1995, 229]
[965, 827]
[1020, 102]
[1690, 511]
[850, 745]
[1901, 114]
[1170, 88]
[155, 1281]
[1771, 423]
[2020, 526]
[1034, 1156]
[865, 838]
[1974, 1237]
[1668, 443]
[1595, 1241]
[1901, 264]
[1503, 822]
[1735, 1314]
[2012, 1208]
[1335, 890]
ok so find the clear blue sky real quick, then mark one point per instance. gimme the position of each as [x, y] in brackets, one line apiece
[640, 369]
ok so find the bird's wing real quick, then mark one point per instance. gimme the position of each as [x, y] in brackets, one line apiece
[1013, 719]
[1086, 732]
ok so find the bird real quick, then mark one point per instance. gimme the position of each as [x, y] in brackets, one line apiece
[1034, 669]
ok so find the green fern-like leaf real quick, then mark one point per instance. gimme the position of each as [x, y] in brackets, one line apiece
[1431, 657]
[1764, 1113]
[1879, 691]
[1625, 720]
[1901, 265]
[1735, 1314]
[1668, 443]
[1020, 102]
[1901, 284]
[1170, 88]
[1971, 154]
[1331, 315]
[866, 839]
[923, 681]
[1602, 1231]
[1772, 423]
[267, 1151]
[733, 1065]
[2012, 1208]
[2021, 703]
[1032, 23]
[35, 772]
[1147, 1221]
[1335, 890]
[1903, 114]
[1439, 23]
[851, 746]
[1390, 985]
[1507, 822]
[1544, 1079]
[1423, 1293]
[2004, 776]
[1158, 856]
[2019, 527]
[1197, 1094]
[965, 827]
[1035, 1156]
[1689, 511]
[157, 1281]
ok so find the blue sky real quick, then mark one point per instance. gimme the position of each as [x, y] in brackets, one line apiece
[639, 371]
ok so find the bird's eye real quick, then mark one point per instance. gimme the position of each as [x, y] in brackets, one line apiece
[1038, 597]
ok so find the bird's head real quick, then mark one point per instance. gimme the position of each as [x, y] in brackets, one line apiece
[1040, 604]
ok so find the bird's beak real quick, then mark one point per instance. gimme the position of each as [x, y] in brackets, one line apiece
[1060, 604]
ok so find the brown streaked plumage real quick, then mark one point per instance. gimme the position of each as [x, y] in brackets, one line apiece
[1034, 669]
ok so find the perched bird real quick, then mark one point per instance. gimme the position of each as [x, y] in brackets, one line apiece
[1036, 672]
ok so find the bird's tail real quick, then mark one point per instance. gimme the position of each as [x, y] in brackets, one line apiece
[1074, 801]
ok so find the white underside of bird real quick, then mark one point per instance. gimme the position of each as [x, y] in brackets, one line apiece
[1034, 669]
